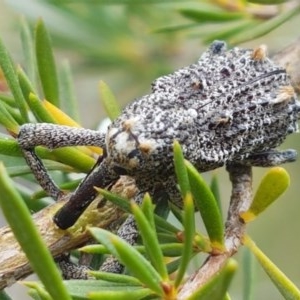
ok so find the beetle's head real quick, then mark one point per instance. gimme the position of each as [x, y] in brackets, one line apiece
[141, 139]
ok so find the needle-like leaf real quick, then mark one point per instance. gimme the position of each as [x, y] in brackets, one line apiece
[46, 64]
[189, 233]
[180, 169]
[208, 207]
[21, 223]
[109, 101]
[150, 241]
[131, 258]
[9, 71]
[218, 285]
[285, 286]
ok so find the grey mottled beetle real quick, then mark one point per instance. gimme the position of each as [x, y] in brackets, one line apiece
[230, 107]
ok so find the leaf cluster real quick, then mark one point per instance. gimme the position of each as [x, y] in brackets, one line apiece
[138, 35]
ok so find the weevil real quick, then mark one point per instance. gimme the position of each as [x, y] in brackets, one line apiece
[230, 107]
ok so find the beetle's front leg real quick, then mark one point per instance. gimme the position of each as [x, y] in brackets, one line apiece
[100, 176]
[52, 136]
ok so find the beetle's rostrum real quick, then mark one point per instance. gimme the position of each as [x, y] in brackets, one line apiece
[230, 107]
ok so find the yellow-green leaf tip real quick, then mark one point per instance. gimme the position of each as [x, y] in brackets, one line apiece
[273, 184]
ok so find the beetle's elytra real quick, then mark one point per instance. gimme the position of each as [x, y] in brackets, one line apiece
[230, 107]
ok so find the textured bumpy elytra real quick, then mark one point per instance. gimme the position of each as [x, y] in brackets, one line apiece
[230, 107]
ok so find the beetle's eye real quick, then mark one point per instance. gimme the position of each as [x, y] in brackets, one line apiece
[120, 170]
[133, 153]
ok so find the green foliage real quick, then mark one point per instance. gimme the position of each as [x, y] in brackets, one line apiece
[137, 264]
[248, 274]
[165, 248]
[188, 236]
[127, 34]
[216, 288]
[272, 186]
[109, 101]
[4, 296]
[287, 288]
[145, 222]
[45, 63]
[12, 80]
[207, 205]
[19, 218]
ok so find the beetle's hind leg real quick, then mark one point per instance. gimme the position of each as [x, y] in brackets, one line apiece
[128, 231]
[52, 136]
[270, 158]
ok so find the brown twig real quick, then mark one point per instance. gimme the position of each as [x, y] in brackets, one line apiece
[13, 262]
[289, 58]
[241, 196]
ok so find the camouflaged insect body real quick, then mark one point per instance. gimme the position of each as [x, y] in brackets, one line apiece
[224, 108]
[230, 107]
